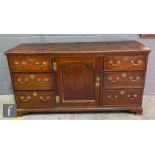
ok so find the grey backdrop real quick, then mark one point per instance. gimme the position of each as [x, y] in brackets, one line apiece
[9, 41]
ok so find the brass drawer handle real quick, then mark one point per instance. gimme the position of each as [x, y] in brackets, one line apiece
[20, 80]
[41, 64]
[115, 64]
[44, 99]
[16, 63]
[112, 97]
[43, 81]
[32, 76]
[25, 99]
[136, 64]
[132, 79]
[132, 97]
[20, 64]
[117, 79]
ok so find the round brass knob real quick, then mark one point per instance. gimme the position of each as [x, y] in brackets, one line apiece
[32, 76]
[35, 94]
[125, 59]
[122, 92]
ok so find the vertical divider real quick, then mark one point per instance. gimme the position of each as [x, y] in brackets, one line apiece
[54, 80]
[102, 80]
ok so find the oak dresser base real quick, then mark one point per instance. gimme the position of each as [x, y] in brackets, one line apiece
[78, 77]
[136, 110]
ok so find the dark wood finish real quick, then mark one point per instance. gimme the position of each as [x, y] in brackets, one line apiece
[124, 79]
[82, 77]
[30, 64]
[136, 110]
[30, 81]
[34, 99]
[122, 97]
[76, 48]
[76, 81]
[147, 35]
[124, 63]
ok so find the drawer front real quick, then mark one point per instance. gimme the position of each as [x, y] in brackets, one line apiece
[34, 99]
[124, 63]
[124, 97]
[32, 81]
[28, 64]
[124, 79]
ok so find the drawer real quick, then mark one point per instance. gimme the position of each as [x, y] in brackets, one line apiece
[34, 99]
[124, 79]
[123, 97]
[124, 63]
[29, 63]
[32, 81]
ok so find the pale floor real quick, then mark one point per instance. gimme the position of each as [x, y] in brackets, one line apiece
[148, 112]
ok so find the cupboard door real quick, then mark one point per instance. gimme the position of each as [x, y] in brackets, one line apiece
[77, 82]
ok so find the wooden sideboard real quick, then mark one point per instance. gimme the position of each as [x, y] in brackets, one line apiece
[78, 77]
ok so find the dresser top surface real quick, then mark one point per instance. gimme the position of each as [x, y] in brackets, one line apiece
[89, 47]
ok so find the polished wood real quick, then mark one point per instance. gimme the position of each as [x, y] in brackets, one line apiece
[31, 81]
[76, 48]
[29, 64]
[147, 35]
[76, 81]
[124, 63]
[137, 110]
[122, 97]
[78, 77]
[34, 99]
[124, 79]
